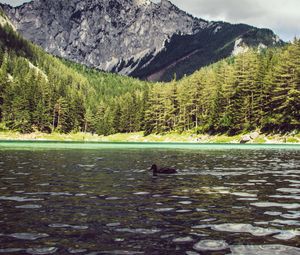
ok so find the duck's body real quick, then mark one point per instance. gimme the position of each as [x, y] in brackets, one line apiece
[162, 170]
[166, 170]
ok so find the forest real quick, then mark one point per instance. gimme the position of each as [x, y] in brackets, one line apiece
[257, 90]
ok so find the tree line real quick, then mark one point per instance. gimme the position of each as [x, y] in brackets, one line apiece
[255, 90]
[39, 92]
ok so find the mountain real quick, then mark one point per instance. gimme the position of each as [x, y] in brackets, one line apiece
[138, 38]
[39, 92]
[251, 91]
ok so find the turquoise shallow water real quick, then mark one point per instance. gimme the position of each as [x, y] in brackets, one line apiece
[100, 198]
[126, 145]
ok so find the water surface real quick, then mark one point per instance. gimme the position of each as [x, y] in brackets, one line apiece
[73, 198]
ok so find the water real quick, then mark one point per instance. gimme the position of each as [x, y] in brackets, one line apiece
[72, 198]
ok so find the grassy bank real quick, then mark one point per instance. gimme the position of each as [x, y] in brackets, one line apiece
[139, 137]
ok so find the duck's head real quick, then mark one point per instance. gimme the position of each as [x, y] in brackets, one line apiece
[154, 169]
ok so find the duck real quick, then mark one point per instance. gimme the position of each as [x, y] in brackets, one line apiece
[162, 170]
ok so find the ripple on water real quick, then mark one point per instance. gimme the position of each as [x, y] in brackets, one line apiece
[274, 204]
[43, 184]
[115, 224]
[244, 194]
[157, 195]
[257, 181]
[208, 220]
[121, 252]
[296, 197]
[181, 197]
[119, 239]
[291, 215]
[19, 199]
[139, 230]
[21, 173]
[244, 228]
[10, 250]
[211, 245]
[41, 251]
[289, 190]
[185, 202]
[58, 225]
[272, 213]
[29, 206]
[141, 193]
[113, 198]
[74, 251]
[286, 222]
[201, 210]
[19, 191]
[287, 234]
[50, 193]
[164, 209]
[183, 211]
[264, 250]
[80, 195]
[29, 236]
[293, 181]
[186, 239]
[191, 253]
[247, 199]
[295, 185]
[8, 178]
[86, 166]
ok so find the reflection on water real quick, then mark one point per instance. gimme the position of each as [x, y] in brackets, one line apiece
[105, 201]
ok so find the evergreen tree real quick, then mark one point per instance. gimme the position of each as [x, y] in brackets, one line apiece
[285, 103]
[4, 82]
[255, 90]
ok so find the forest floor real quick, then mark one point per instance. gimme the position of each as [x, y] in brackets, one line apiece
[187, 137]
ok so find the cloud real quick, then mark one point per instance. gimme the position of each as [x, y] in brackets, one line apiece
[282, 16]
[14, 2]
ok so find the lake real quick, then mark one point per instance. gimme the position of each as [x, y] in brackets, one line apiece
[100, 198]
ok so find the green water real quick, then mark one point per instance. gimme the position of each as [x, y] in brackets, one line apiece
[100, 198]
[125, 145]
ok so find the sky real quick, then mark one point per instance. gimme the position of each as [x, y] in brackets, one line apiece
[282, 16]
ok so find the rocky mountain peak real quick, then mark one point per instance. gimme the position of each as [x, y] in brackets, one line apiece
[131, 37]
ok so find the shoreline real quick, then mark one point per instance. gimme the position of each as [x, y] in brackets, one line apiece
[138, 137]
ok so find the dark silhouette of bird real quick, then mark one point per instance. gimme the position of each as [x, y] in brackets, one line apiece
[162, 170]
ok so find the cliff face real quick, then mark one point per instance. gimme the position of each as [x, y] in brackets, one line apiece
[132, 37]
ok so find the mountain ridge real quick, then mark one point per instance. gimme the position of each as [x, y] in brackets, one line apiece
[138, 38]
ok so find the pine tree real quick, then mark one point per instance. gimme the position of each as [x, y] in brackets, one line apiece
[60, 112]
[285, 103]
[4, 82]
